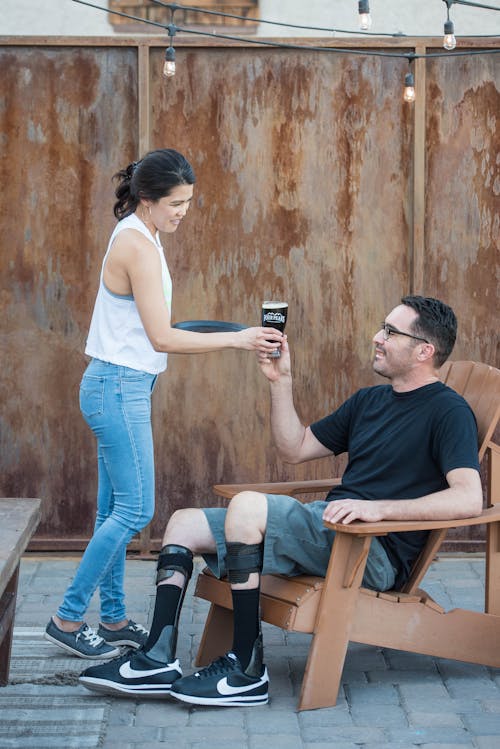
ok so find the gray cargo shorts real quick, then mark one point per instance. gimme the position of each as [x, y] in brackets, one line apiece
[297, 543]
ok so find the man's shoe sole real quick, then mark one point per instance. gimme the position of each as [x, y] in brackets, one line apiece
[101, 657]
[111, 687]
[237, 701]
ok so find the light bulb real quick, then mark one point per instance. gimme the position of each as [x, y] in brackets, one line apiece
[169, 68]
[409, 92]
[169, 65]
[365, 19]
[449, 40]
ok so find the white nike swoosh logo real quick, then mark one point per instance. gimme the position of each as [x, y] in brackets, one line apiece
[226, 689]
[127, 672]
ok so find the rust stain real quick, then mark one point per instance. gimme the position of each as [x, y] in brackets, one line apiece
[60, 152]
[304, 176]
[463, 229]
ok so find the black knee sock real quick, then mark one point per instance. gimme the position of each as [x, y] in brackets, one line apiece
[165, 613]
[246, 623]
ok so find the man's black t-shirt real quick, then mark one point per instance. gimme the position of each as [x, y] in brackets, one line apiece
[401, 446]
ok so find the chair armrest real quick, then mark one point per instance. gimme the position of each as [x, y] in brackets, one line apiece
[493, 447]
[382, 528]
[285, 487]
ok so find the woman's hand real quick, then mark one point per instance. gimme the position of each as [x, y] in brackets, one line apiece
[262, 340]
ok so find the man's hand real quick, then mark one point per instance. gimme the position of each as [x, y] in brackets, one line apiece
[346, 510]
[462, 499]
[275, 368]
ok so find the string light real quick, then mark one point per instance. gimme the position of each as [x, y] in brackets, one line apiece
[262, 21]
[449, 40]
[222, 14]
[365, 19]
[409, 92]
[170, 55]
[169, 64]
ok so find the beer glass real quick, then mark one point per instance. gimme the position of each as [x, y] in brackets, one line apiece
[274, 315]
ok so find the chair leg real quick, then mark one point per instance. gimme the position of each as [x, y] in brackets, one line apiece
[492, 602]
[325, 663]
[217, 636]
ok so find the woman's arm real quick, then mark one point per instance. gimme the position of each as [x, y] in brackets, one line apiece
[133, 267]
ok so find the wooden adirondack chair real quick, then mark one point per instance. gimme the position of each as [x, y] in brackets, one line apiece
[336, 609]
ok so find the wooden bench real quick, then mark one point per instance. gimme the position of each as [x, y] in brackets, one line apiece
[19, 519]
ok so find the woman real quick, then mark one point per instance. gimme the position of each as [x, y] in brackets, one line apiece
[129, 339]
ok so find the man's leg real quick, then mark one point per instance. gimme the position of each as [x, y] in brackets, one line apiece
[239, 677]
[245, 529]
[153, 669]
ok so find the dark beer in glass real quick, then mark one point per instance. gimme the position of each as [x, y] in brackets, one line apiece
[274, 315]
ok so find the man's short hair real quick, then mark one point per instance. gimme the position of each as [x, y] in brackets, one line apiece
[436, 321]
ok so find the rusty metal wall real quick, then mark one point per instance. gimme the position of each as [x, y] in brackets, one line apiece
[463, 198]
[462, 230]
[295, 189]
[304, 191]
[62, 136]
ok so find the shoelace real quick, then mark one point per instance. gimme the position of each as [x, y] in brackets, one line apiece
[91, 636]
[219, 666]
[134, 627]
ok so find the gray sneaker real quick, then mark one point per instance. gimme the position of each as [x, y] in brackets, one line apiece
[132, 635]
[85, 642]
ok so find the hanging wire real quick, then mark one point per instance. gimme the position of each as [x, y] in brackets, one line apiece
[339, 50]
[476, 5]
[281, 45]
[123, 15]
[223, 14]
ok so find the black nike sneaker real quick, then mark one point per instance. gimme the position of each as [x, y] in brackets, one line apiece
[225, 683]
[135, 674]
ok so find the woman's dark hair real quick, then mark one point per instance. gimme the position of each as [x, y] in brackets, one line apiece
[151, 178]
[436, 322]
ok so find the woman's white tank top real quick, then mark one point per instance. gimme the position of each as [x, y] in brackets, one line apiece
[116, 332]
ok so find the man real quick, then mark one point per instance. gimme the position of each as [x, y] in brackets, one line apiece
[412, 448]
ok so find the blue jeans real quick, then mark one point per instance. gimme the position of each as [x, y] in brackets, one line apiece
[116, 403]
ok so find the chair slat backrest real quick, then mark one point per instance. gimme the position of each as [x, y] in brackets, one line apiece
[479, 384]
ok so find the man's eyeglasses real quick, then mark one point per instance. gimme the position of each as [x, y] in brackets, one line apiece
[388, 330]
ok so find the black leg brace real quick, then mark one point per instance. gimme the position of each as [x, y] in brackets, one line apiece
[162, 640]
[172, 559]
[242, 559]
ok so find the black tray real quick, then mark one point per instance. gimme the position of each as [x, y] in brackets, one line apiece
[209, 326]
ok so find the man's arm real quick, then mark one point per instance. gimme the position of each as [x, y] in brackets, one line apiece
[462, 499]
[295, 442]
